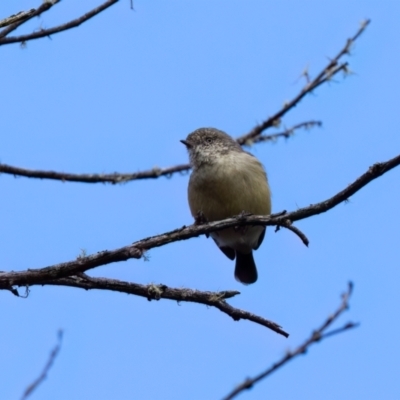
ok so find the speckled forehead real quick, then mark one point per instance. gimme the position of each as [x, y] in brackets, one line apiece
[195, 137]
[198, 135]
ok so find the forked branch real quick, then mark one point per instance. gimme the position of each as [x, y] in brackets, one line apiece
[333, 67]
[326, 74]
[158, 292]
[316, 336]
[17, 20]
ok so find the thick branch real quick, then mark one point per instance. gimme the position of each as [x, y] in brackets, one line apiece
[316, 336]
[47, 32]
[157, 292]
[139, 248]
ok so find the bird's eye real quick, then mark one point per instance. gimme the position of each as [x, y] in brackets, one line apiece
[208, 140]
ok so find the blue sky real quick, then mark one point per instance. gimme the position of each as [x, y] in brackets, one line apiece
[117, 94]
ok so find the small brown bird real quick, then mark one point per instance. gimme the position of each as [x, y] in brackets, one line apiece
[226, 181]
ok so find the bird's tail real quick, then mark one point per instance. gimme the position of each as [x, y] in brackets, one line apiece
[245, 269]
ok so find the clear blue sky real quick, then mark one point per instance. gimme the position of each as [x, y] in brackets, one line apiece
[117, 94]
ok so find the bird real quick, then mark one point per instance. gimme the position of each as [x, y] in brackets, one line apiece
[227, 181]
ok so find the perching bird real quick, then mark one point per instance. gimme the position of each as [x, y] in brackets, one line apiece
[226, 181]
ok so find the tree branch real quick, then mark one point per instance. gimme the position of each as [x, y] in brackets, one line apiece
[287, 133]
[139, 248]
[288, 225]
[93, 178]
[253, 136]
[14, 21]
[47, 367]
[316, 336]
[153, 173]
[250, 138]
[326, 74]
[157, 292]
[47, 32]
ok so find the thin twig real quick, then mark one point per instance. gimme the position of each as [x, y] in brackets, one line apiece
[288, 225]
[46, 369]
[287, 133]
[138, 249]
[326, 74]
[157, 292]
[316, 336]
[47, 32]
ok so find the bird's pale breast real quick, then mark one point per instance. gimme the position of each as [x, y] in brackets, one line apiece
[236, 182]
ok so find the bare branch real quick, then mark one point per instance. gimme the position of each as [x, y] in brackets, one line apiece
[316, 336]
[252, 137]
[153, 173]
[18, 17]
[157, 292]
[287, 133]
[94, 178]
[327, 73]
[139, 248]
[47, 32]
[14, 21]
[288, 225]
[46, 369]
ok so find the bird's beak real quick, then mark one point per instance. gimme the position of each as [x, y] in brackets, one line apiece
[186, 143]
